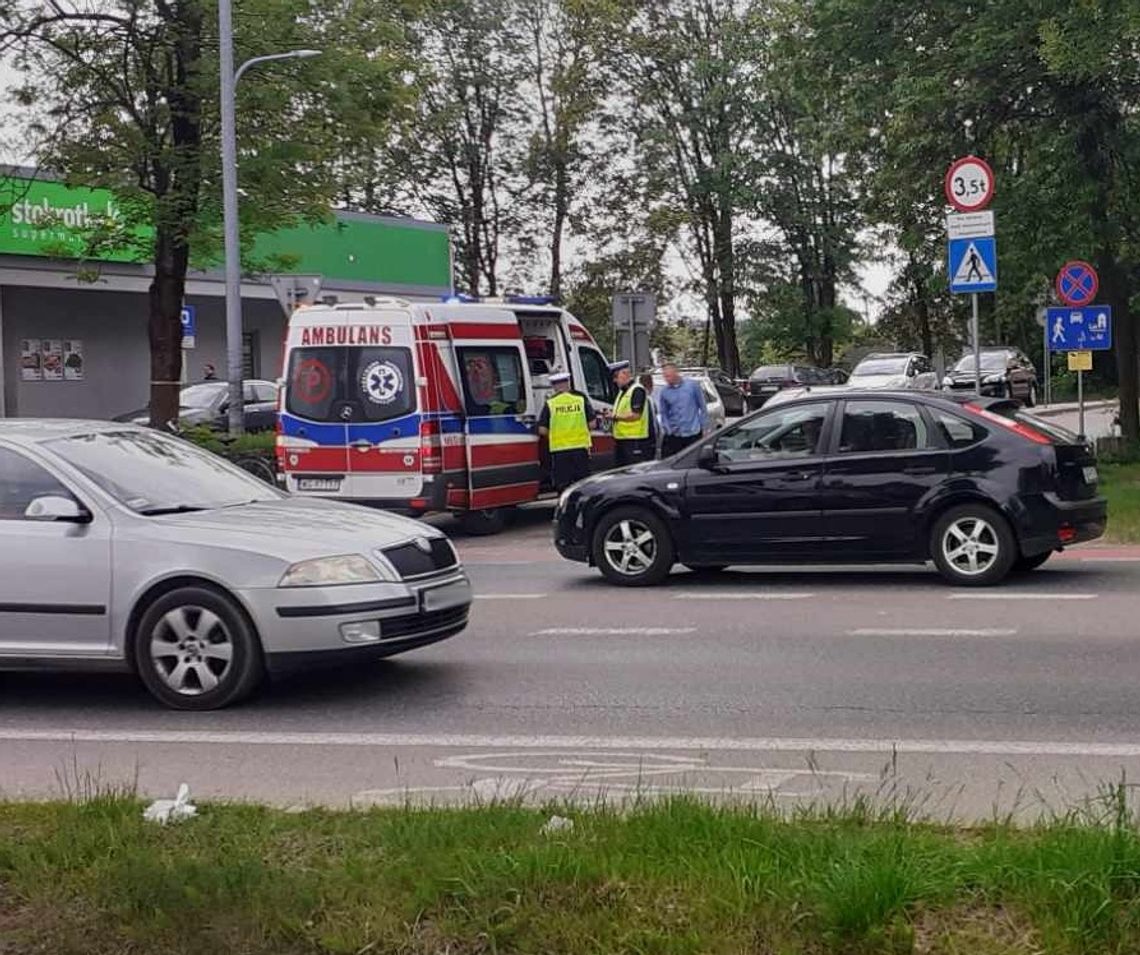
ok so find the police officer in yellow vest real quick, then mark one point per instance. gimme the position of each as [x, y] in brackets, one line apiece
[631, 418]
[565, 422]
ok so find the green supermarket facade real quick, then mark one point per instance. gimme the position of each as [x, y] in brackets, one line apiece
[73, 336]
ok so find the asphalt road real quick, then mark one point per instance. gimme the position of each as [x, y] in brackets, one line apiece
[811, 684]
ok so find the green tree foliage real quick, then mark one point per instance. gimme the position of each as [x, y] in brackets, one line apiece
[123, 94]
[1046, 92]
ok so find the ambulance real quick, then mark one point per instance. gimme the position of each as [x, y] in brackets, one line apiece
[424, 407]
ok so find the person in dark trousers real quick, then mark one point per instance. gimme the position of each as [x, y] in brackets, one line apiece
[565, 422]
[631, 416]
[646, 381]
[684, 413]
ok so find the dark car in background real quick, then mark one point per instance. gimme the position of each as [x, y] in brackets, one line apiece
[977, 485]
[731, 395]
[767, 380]
[1007, 372]
[207, 403]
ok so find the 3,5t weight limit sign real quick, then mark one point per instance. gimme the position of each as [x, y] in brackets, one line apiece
[969, 184]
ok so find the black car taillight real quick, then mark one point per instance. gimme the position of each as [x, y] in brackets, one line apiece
[1017, 427]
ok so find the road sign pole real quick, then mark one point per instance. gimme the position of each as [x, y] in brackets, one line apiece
[632, 340]
[1081, 403]
[1048, 360]
[977, 345]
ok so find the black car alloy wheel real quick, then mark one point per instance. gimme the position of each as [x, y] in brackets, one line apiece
[632, 547]
[973, 545]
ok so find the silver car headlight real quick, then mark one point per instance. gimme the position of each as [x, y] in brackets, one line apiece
[564, 498]
[993, 379]
[330, 571]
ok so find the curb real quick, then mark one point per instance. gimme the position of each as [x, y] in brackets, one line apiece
[1047, 411]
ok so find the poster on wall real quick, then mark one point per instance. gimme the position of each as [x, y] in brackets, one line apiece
[53, 359]
[73, 359]
[31, 364]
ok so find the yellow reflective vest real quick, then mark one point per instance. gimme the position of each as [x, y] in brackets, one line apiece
[569, 429]
[631, 430]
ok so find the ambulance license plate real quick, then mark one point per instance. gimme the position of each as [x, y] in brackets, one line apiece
[318, 484]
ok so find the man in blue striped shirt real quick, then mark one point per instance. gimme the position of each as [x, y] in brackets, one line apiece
[683, 412]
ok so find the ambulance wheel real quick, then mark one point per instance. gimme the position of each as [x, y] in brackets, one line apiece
[483, 523]
[632, 547]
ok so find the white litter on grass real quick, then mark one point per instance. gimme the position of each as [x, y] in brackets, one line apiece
[165, 811]
[557, 824]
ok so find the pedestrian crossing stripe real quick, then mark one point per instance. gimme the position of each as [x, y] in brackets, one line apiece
[972, 270]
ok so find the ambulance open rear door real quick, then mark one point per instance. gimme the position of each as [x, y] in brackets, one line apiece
[500, 440]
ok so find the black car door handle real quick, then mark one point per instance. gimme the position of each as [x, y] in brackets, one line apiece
[801, 475]
[920, 469]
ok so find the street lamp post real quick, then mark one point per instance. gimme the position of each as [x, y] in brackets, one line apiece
[231, 231]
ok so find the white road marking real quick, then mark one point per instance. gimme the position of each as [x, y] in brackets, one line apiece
[713, 595]
[509, 596]
[1110, 560]
[931, 632]
[997, 595]
[475, 741]
[612, 631]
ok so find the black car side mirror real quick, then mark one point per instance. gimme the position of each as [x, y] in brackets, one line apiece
[708, 457]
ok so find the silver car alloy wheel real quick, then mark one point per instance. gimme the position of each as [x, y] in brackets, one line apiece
[630, 547]
[970, 546]
[192, 650]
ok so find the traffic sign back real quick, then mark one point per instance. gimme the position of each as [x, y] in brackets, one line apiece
[1080, 329]
[1077, 283]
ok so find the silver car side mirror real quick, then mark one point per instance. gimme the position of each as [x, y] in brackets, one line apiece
[53, 507]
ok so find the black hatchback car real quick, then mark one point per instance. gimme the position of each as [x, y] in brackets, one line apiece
[975, 484]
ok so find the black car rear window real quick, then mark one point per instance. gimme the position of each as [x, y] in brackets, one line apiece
[348, 384]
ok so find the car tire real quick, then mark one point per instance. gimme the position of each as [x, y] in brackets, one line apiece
[990, 558]
[1024, 565]
[624, 554]
[194, 649]
[485, 523]
[1031, 398]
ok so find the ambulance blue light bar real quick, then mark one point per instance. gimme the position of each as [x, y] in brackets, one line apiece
[531, 299]
[459, 299]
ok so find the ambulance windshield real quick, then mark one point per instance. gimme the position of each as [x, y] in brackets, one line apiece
[351, 385]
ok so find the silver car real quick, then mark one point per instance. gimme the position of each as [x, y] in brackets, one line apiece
[125, 548]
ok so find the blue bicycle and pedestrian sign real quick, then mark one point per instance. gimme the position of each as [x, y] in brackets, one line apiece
[189, 326]
[1079, 329]
[1077, 283]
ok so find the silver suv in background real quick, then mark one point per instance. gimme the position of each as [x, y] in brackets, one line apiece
[909, 371]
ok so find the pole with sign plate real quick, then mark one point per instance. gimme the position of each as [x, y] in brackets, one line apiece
[1079, 328]
[972, 248]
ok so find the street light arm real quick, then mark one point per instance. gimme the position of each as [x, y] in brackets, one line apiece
[291, 55]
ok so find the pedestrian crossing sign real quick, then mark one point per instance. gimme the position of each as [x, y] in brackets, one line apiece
[973, 265]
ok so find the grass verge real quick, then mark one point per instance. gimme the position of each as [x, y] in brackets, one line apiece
[1120, 484]
[672, 877]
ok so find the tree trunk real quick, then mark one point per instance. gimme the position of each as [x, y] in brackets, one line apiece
[561, 203]
[165, 327]
[728, 352]
[1114, 286]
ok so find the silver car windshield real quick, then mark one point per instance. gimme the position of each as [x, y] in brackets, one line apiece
[880, 366]
[152, 473]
